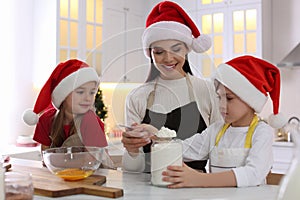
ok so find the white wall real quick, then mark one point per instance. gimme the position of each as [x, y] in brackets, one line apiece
[44, 44]
[23, 49]
[290, 95]
[285, 27]
[17, 27]
[8, 60]
[286, 35]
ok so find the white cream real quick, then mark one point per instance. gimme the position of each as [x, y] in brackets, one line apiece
[166, 133]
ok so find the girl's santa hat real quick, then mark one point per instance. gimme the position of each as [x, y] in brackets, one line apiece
[167, 20]
[65, 78]
[252, 80]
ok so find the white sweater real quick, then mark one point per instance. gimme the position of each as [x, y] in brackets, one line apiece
[169, 95]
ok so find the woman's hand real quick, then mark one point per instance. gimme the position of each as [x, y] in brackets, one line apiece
[132, 144]
[182, 176]
[137, 137]
[149, 129]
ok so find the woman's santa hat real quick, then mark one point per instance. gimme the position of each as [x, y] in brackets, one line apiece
[65, 78]
[252, 79]
[167, 20]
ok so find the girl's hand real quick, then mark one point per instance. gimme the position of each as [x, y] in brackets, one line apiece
[182, 176]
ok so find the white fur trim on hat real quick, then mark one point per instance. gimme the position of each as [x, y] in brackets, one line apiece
[166, 30]
[241, 86]
[71, 82]
[277, 121]
[30, 118]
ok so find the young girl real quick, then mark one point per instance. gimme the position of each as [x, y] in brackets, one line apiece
[239, 150]
[64, 111]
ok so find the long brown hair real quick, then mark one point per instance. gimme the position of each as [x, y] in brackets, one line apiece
[57, 134]
[153, 73]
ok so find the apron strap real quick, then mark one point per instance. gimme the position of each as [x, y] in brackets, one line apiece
[190, 87]
[151, 97]
[221, 133]
[248, 140]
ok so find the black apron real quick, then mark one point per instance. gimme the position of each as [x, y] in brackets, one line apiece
[185, 120]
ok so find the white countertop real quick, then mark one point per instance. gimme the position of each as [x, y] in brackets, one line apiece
[137, 186]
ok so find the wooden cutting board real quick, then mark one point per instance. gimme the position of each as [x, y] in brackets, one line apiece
[47, 184]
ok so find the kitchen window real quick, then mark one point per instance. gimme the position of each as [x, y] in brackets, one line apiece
[79, 31]
[235, 29]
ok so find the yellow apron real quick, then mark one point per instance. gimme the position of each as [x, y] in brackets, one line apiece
[222, 159]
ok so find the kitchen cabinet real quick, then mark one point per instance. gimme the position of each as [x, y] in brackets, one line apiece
[283, 154]
[123, 58]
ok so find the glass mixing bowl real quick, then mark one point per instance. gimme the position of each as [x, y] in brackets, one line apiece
[73, 163]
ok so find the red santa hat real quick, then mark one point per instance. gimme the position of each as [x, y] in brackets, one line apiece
[66, 77]
[253, 79]
[168, 20]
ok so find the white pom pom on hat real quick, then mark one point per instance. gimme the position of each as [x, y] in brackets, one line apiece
[277, 121]
[168, 20]
[66, 77]
[30, 117]
[201, 43]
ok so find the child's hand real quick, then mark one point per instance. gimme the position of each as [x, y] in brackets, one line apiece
[181, 176]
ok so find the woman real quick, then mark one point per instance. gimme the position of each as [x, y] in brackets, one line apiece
[171, 96]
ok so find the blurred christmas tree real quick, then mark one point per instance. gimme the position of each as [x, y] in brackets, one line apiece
[101, 109]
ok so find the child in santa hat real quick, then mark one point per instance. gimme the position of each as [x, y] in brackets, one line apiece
[64, 110]
[239, 150]
[240, 147]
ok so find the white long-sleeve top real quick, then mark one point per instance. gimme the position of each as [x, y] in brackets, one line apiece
[258, 162]
[169, 95]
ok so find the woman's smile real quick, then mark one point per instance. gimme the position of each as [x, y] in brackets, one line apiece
[169, 67]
